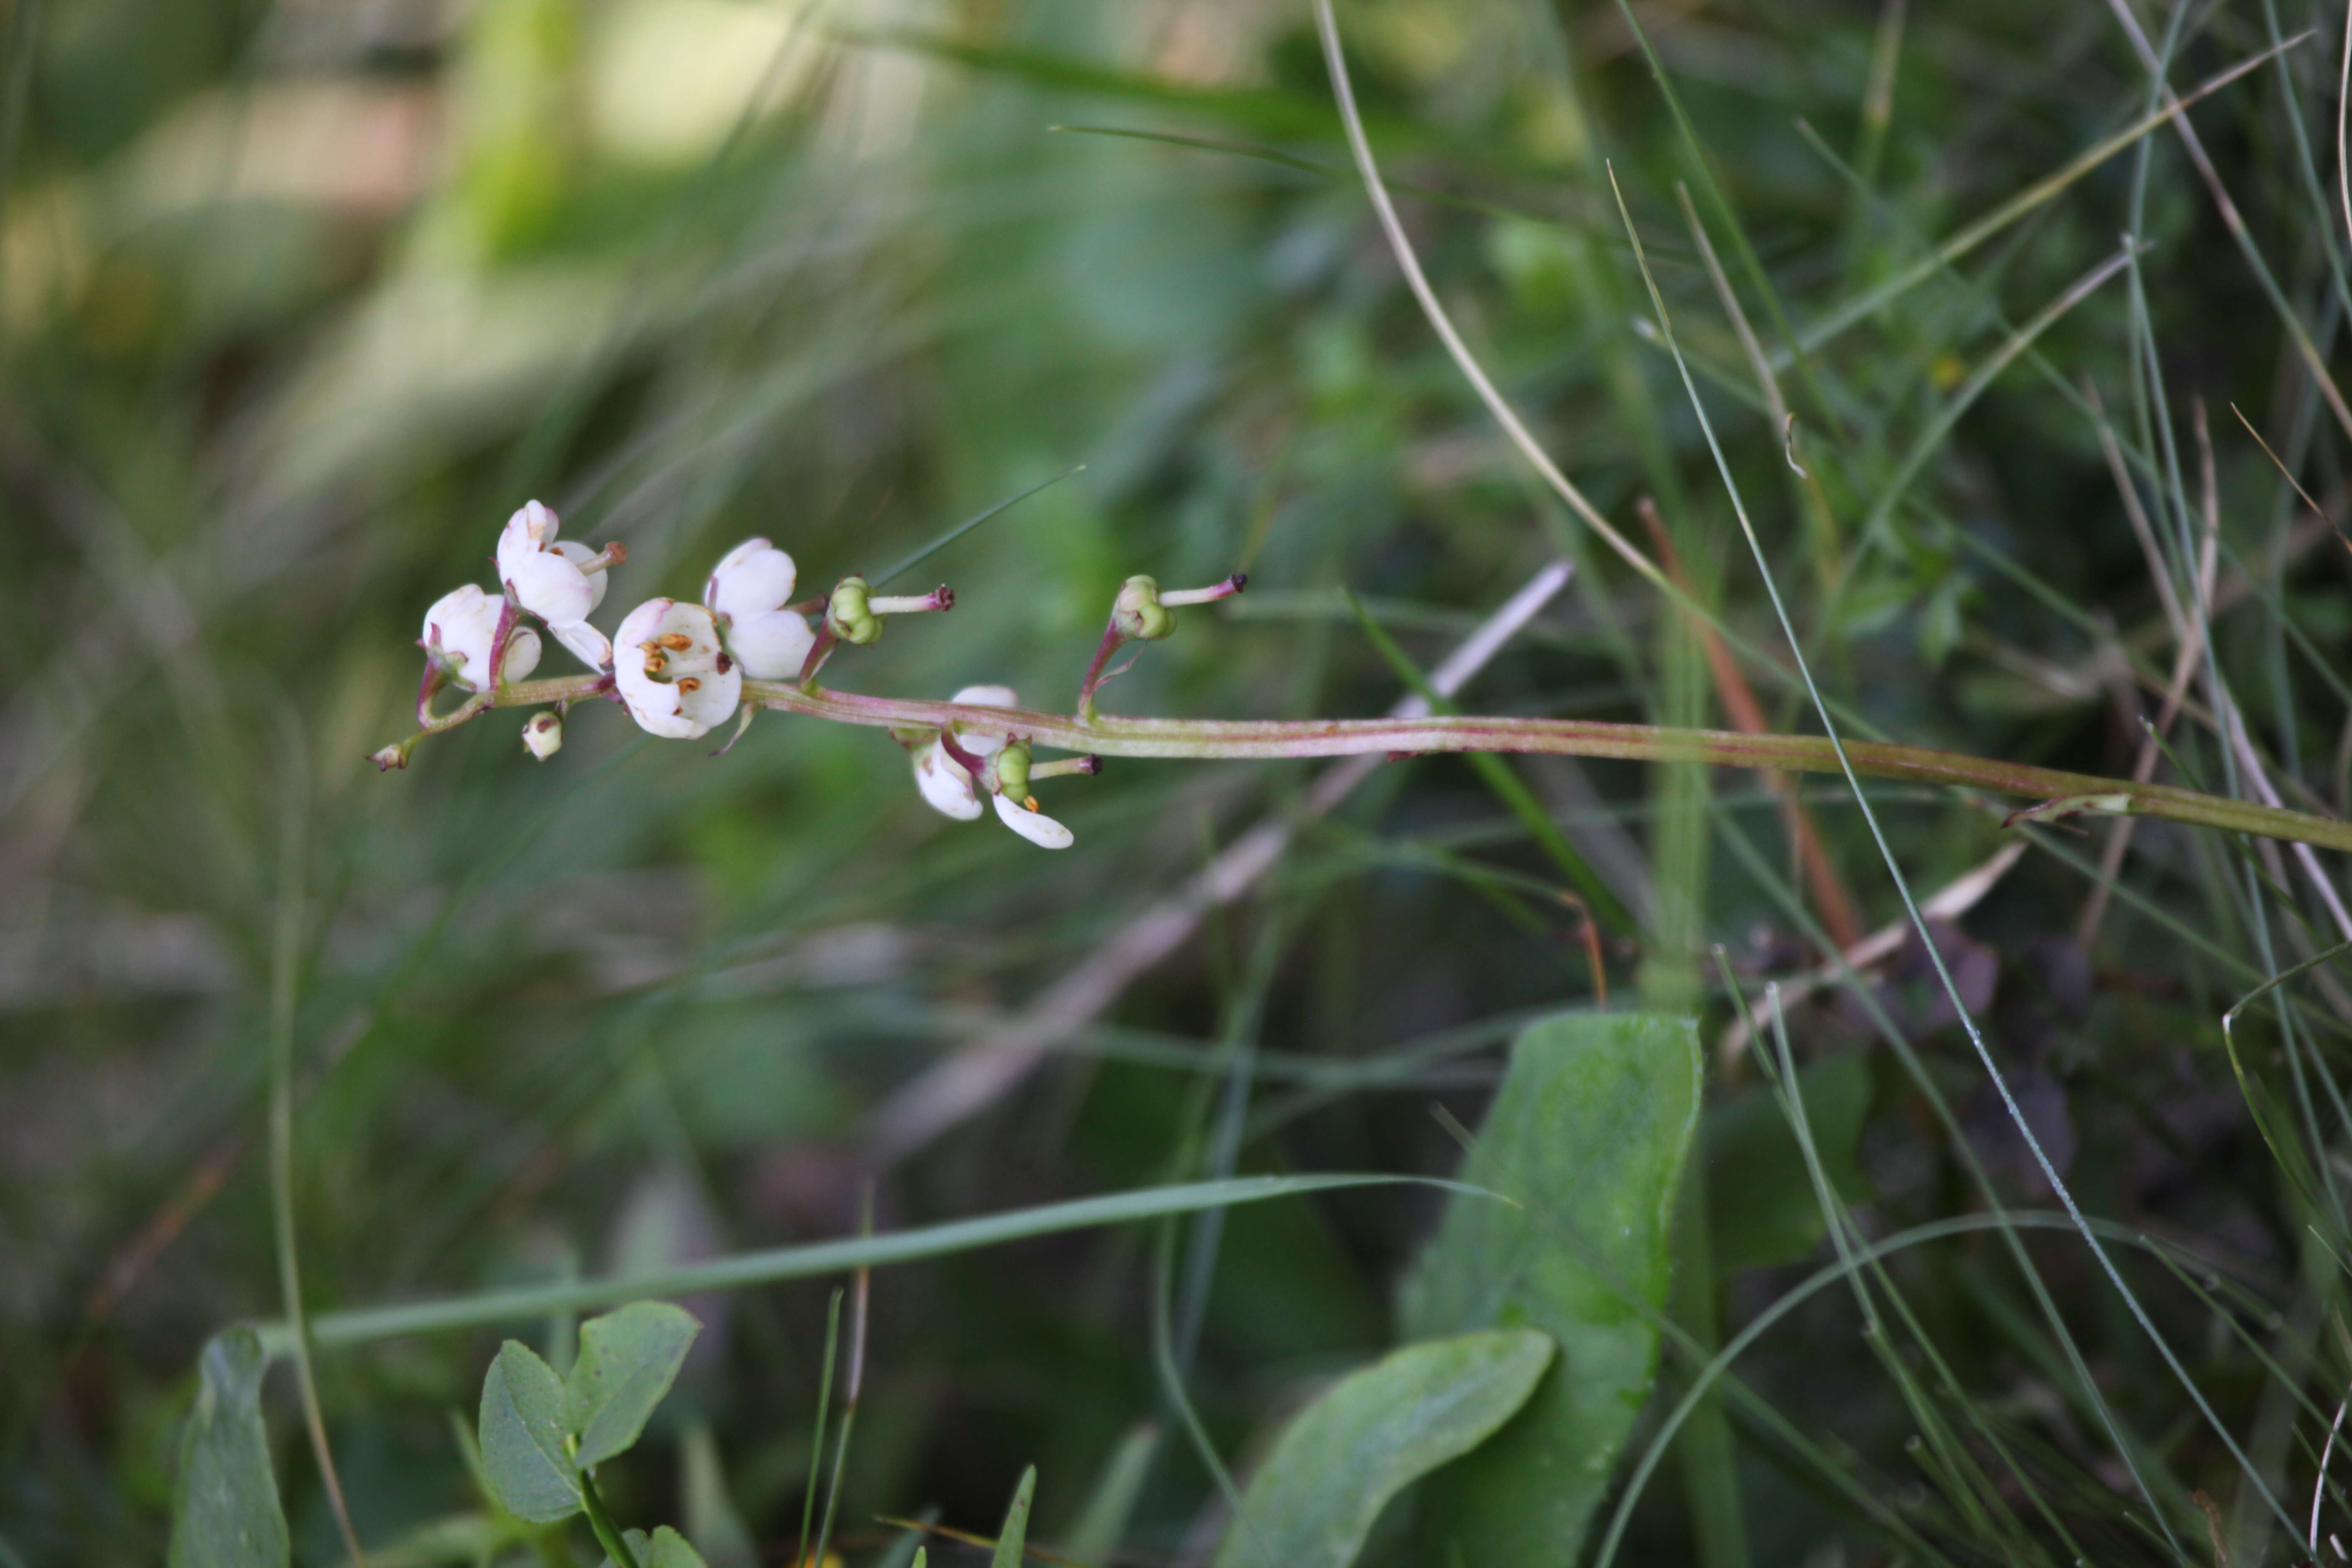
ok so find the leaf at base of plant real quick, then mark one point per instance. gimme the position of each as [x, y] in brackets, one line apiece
[1589, 1133]
[1372, 1435]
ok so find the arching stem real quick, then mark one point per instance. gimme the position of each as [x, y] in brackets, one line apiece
[1216, 739]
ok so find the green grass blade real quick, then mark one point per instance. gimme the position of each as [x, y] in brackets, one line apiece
[366, 1325]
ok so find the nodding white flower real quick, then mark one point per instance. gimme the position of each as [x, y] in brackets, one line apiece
[946, 783]
[677, 679]
[560, 581]
[458, 632]
[948, 786]
[746, 592]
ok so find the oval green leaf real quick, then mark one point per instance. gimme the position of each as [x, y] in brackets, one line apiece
[224, 1510]
[1588, 1132]
[1372, 1435]
[522, 1436]
[627, 1361]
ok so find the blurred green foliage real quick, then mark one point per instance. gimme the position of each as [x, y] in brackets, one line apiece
[298, 302]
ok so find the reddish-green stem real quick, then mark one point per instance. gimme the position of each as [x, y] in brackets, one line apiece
[1111, 641]
[1211, 739]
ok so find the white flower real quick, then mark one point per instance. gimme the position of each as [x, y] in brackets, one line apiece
[947, 784]
[747, 592]
[559, 581]
[671, 671]
[460, 627]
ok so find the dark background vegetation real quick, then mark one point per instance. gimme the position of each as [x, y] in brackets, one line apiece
[298, 302]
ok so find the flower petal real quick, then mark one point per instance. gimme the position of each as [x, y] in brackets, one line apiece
[528, 532]
[771, 646]
[642, 624]
[714, 701]
[754, 578]
[580, 555]
[1034, 826]
[549, 587]
[522, 654]
[654, 708]
[588, 645]
[461, 623]
[946, 786]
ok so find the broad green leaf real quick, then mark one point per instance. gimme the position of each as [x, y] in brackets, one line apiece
[1372, 1435]
[522, 1436]
[1761, 1207]
[225, 1512]
[1588, 1132]
[1013, 1539]
[627, 1361]
[664, 1548]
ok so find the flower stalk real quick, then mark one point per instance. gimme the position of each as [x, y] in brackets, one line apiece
[1215, 740]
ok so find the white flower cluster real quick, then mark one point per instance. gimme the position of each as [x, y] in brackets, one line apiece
[679, 668]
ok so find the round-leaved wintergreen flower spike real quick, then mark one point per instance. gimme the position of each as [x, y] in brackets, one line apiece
[459, 630]
[747, 594]
[559, 581]
[677, 681]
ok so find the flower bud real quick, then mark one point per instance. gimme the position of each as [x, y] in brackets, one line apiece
[849, 615]
[1138, 615]
[542, 734]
